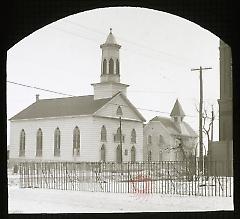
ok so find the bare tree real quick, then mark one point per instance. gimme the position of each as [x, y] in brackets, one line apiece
[207, 123]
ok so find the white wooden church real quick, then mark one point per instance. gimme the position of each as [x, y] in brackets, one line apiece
[83, 128]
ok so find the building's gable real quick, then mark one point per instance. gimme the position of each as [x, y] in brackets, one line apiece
[110, 109]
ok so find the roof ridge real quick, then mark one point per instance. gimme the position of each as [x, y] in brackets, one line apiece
[65, 97]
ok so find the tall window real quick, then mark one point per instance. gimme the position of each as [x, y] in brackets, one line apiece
[103, 133]
[104, 71]
[119, 154]
[111, 66]
[57, 138]
[22, 144]
[76, 141]
[39, 143]
[149, 156]
[133, 154]
[133, 136]
[117, 136]
[161, 140]
[149, 139]
[103, 153]
[117, 67]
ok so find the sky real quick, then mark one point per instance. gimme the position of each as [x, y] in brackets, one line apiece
[157, 54]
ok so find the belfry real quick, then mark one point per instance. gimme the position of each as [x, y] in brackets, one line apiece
[110, 70]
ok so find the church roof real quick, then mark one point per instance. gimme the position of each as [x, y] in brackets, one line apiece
[69, 106]
[177, 110]
[111, 39]
[170, 125]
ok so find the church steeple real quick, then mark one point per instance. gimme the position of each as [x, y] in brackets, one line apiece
[110, 69]
[177, 112]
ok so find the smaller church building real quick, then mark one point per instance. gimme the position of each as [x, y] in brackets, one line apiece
[169, 139]
[105, 126]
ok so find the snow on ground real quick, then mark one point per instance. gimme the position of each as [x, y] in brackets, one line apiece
[61, 201]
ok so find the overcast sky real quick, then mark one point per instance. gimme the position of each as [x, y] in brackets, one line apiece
[157, 55]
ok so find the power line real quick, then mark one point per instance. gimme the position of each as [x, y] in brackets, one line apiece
[38, 88]
[70, 95]
[123, 39]
[137, 52]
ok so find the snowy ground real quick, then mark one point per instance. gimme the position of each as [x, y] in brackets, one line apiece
[60, 201]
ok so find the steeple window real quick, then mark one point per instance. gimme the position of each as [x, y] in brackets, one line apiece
[111, 66]
[104, 70]
[117, 67]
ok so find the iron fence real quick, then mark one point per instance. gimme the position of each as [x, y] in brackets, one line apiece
[164, 177]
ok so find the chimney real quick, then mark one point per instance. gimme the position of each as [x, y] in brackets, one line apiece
[37, 97]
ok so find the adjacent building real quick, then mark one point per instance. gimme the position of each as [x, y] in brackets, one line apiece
[222, 150]
[169, 139]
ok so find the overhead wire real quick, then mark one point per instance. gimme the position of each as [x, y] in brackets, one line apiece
[70, 95]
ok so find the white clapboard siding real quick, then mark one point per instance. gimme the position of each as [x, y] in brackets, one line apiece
[111, 126]
[155, 129]
[110, 109]
[90, 142]
[48, 126]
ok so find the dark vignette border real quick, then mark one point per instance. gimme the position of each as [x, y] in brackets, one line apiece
[24, 17]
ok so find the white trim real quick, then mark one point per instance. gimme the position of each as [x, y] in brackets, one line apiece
[117, 118]
[54, 117]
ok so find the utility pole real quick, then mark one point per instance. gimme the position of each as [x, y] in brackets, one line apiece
[212, 119]
[200, 117]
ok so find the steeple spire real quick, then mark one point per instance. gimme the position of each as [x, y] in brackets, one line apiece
[110, 70]
[177, 112]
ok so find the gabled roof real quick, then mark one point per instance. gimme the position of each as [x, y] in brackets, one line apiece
[129, 104]
[168, 123]
[171, 126]
[177, 110]
[70, 106]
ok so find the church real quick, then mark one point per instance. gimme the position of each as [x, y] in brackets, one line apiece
[169, 139]
[105, 126]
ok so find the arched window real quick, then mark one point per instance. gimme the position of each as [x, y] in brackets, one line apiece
[39, 143]
[133, 136]
[161, 140]
[111, 66]
[103, 153]
[76, 141]
[149, 156]
[119, 111]
[118, 134]
[117, 67]
[103, 133]
[149, 139]
[22, 144]
[133, 154]
[104, 70]
[119, 154]
[57, 138]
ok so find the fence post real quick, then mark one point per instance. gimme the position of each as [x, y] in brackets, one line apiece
[128, 176]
